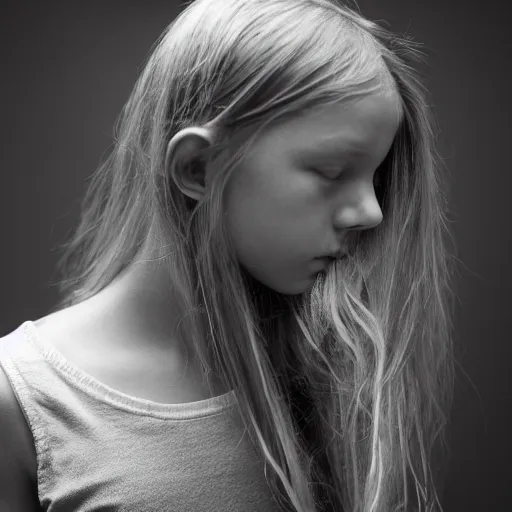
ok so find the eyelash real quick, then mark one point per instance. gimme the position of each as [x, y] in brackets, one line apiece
[323, 174]
[377, 178]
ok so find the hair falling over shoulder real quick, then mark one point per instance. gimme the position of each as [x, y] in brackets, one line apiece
[345, 389]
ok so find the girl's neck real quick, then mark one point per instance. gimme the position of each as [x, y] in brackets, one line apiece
[141, 300]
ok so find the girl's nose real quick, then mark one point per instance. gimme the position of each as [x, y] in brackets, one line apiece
[363, 214]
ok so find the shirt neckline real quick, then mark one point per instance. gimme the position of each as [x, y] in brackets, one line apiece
[90, 385]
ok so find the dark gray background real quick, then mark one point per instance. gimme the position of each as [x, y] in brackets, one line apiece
[68, 67]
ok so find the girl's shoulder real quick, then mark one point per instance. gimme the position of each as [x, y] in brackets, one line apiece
[18, 463]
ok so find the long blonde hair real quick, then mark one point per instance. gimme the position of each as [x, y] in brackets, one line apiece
[344, 389]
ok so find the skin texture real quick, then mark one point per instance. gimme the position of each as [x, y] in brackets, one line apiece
[291, 201]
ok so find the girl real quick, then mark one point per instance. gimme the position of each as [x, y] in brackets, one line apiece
[255, 306]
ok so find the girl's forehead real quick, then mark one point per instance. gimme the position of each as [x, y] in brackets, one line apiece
[357, 122]
[383, 101]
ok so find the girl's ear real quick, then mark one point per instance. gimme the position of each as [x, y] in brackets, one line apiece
[183, 162]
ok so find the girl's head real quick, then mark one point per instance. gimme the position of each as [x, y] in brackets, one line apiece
[261, 135]
[301, 188]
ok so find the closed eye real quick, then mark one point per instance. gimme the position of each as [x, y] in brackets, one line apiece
[332, 176]
[328, 175]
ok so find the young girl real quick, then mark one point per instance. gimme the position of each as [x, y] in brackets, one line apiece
[255, 307]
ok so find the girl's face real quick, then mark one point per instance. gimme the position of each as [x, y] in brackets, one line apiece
[304, 184]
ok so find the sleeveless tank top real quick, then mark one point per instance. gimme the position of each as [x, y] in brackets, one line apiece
[99, 449]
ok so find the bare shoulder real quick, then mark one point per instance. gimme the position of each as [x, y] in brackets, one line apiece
[18, 464]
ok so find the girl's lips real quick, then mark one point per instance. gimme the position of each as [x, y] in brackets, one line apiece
[335, 256]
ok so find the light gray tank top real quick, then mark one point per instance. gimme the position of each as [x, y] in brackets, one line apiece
[99, 449]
